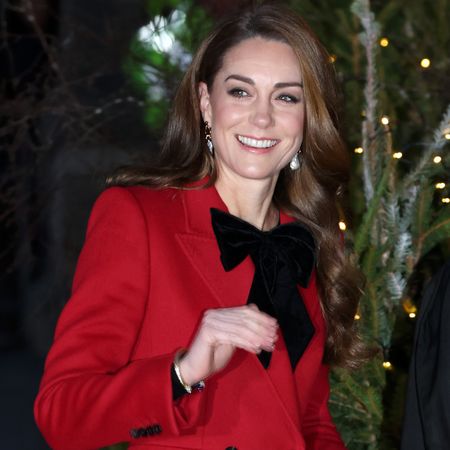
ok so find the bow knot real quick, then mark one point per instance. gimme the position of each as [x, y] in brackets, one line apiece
[282, 257]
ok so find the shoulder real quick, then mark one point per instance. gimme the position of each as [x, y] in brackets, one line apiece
[124, 198]
[118, 195]
[137, 204]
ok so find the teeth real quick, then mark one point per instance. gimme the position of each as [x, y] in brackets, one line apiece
[257, 143]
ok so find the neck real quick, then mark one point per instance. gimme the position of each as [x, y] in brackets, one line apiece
[250, 200]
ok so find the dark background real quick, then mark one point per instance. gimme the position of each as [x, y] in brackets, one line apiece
[67, 118]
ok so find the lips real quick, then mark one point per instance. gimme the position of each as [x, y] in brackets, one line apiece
[257, 143]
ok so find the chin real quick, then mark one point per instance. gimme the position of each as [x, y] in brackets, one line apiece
[255, 174]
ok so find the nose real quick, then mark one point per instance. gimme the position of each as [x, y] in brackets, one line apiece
[262, 114]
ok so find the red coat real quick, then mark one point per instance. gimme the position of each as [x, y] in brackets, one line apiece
[148, 270]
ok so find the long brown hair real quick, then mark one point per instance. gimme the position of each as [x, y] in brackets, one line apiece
[309, 194]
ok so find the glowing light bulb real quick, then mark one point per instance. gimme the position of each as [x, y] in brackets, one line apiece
[425, 63]
[387, 365]
[446, 200]
[447, 136]
[412, 315]
[440, 185]
[359, 150]
[437, 159]
[385, 120]
[397, 155]
[342, 226]
[384, 41]
[357, 316]
[333, 59]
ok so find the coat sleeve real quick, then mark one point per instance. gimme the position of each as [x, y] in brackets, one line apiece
[318, 428]
[93, 393]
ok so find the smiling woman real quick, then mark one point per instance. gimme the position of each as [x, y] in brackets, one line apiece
[213, 292]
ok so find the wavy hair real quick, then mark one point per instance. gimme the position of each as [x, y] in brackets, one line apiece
[309, 194]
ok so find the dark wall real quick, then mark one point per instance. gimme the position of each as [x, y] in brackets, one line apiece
[68, 117]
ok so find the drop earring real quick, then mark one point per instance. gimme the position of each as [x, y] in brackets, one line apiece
[296, 161]
[209, 142]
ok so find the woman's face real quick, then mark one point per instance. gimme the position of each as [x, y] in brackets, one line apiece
[255, 109]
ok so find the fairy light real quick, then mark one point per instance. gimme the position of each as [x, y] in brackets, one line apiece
[446, 200]
[397, 155]
[357, 316]
[440, 185]
[359, 150]
[342, 225]
[425, 63]
[437, 159]
[333, 59]
[384, 42]
[385, 120]
[409, 307]
[447, 136]
[387, 365]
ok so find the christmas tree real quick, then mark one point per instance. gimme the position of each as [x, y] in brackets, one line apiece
[401, 221]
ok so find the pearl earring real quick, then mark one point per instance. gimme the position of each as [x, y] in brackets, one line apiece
[296, 161]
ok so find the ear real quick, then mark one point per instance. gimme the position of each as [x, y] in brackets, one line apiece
[205, 105]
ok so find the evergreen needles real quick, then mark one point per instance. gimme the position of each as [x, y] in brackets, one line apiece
[401, 221]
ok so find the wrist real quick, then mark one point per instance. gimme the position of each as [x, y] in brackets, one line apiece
[183, 372]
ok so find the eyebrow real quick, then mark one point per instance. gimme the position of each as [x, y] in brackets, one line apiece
[276, 85]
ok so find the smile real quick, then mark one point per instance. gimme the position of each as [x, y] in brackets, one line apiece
[257, 143]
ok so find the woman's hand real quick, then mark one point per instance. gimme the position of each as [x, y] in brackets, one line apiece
[220, 333]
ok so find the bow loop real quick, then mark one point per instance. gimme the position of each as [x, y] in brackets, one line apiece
[282, 257]
[235, 243]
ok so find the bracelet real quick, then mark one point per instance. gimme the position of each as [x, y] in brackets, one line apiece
[176, 366]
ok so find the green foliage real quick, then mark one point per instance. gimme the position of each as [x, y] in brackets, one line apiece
[161, 51]
[356, 401]
[400, 220]
[122, 446]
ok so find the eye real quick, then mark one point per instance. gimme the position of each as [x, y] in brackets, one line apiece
[288, 98]
[238, 93]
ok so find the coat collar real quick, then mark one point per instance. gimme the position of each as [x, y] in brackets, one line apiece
[200, 245]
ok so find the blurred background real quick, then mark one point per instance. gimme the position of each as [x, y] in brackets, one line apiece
[86, 87]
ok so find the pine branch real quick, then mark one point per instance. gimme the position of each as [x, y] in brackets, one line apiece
[368, 38]
[361, 239]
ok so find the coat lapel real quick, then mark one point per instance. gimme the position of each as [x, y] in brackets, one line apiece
[232, 288]
[200, 245]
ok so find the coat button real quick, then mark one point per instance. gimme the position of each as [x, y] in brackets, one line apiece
[135, 433]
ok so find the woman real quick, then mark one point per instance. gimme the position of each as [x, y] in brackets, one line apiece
[191, 325]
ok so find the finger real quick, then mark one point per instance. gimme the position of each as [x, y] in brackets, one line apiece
[236, 320]
[249, 313]
[251, 318]
[221, 329]
[262, 316]
[242, 342]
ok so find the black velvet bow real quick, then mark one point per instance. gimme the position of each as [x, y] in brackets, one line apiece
[283, 257]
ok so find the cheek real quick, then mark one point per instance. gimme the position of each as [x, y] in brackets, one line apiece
[294, 126]
[296, 122]
[226, 116]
